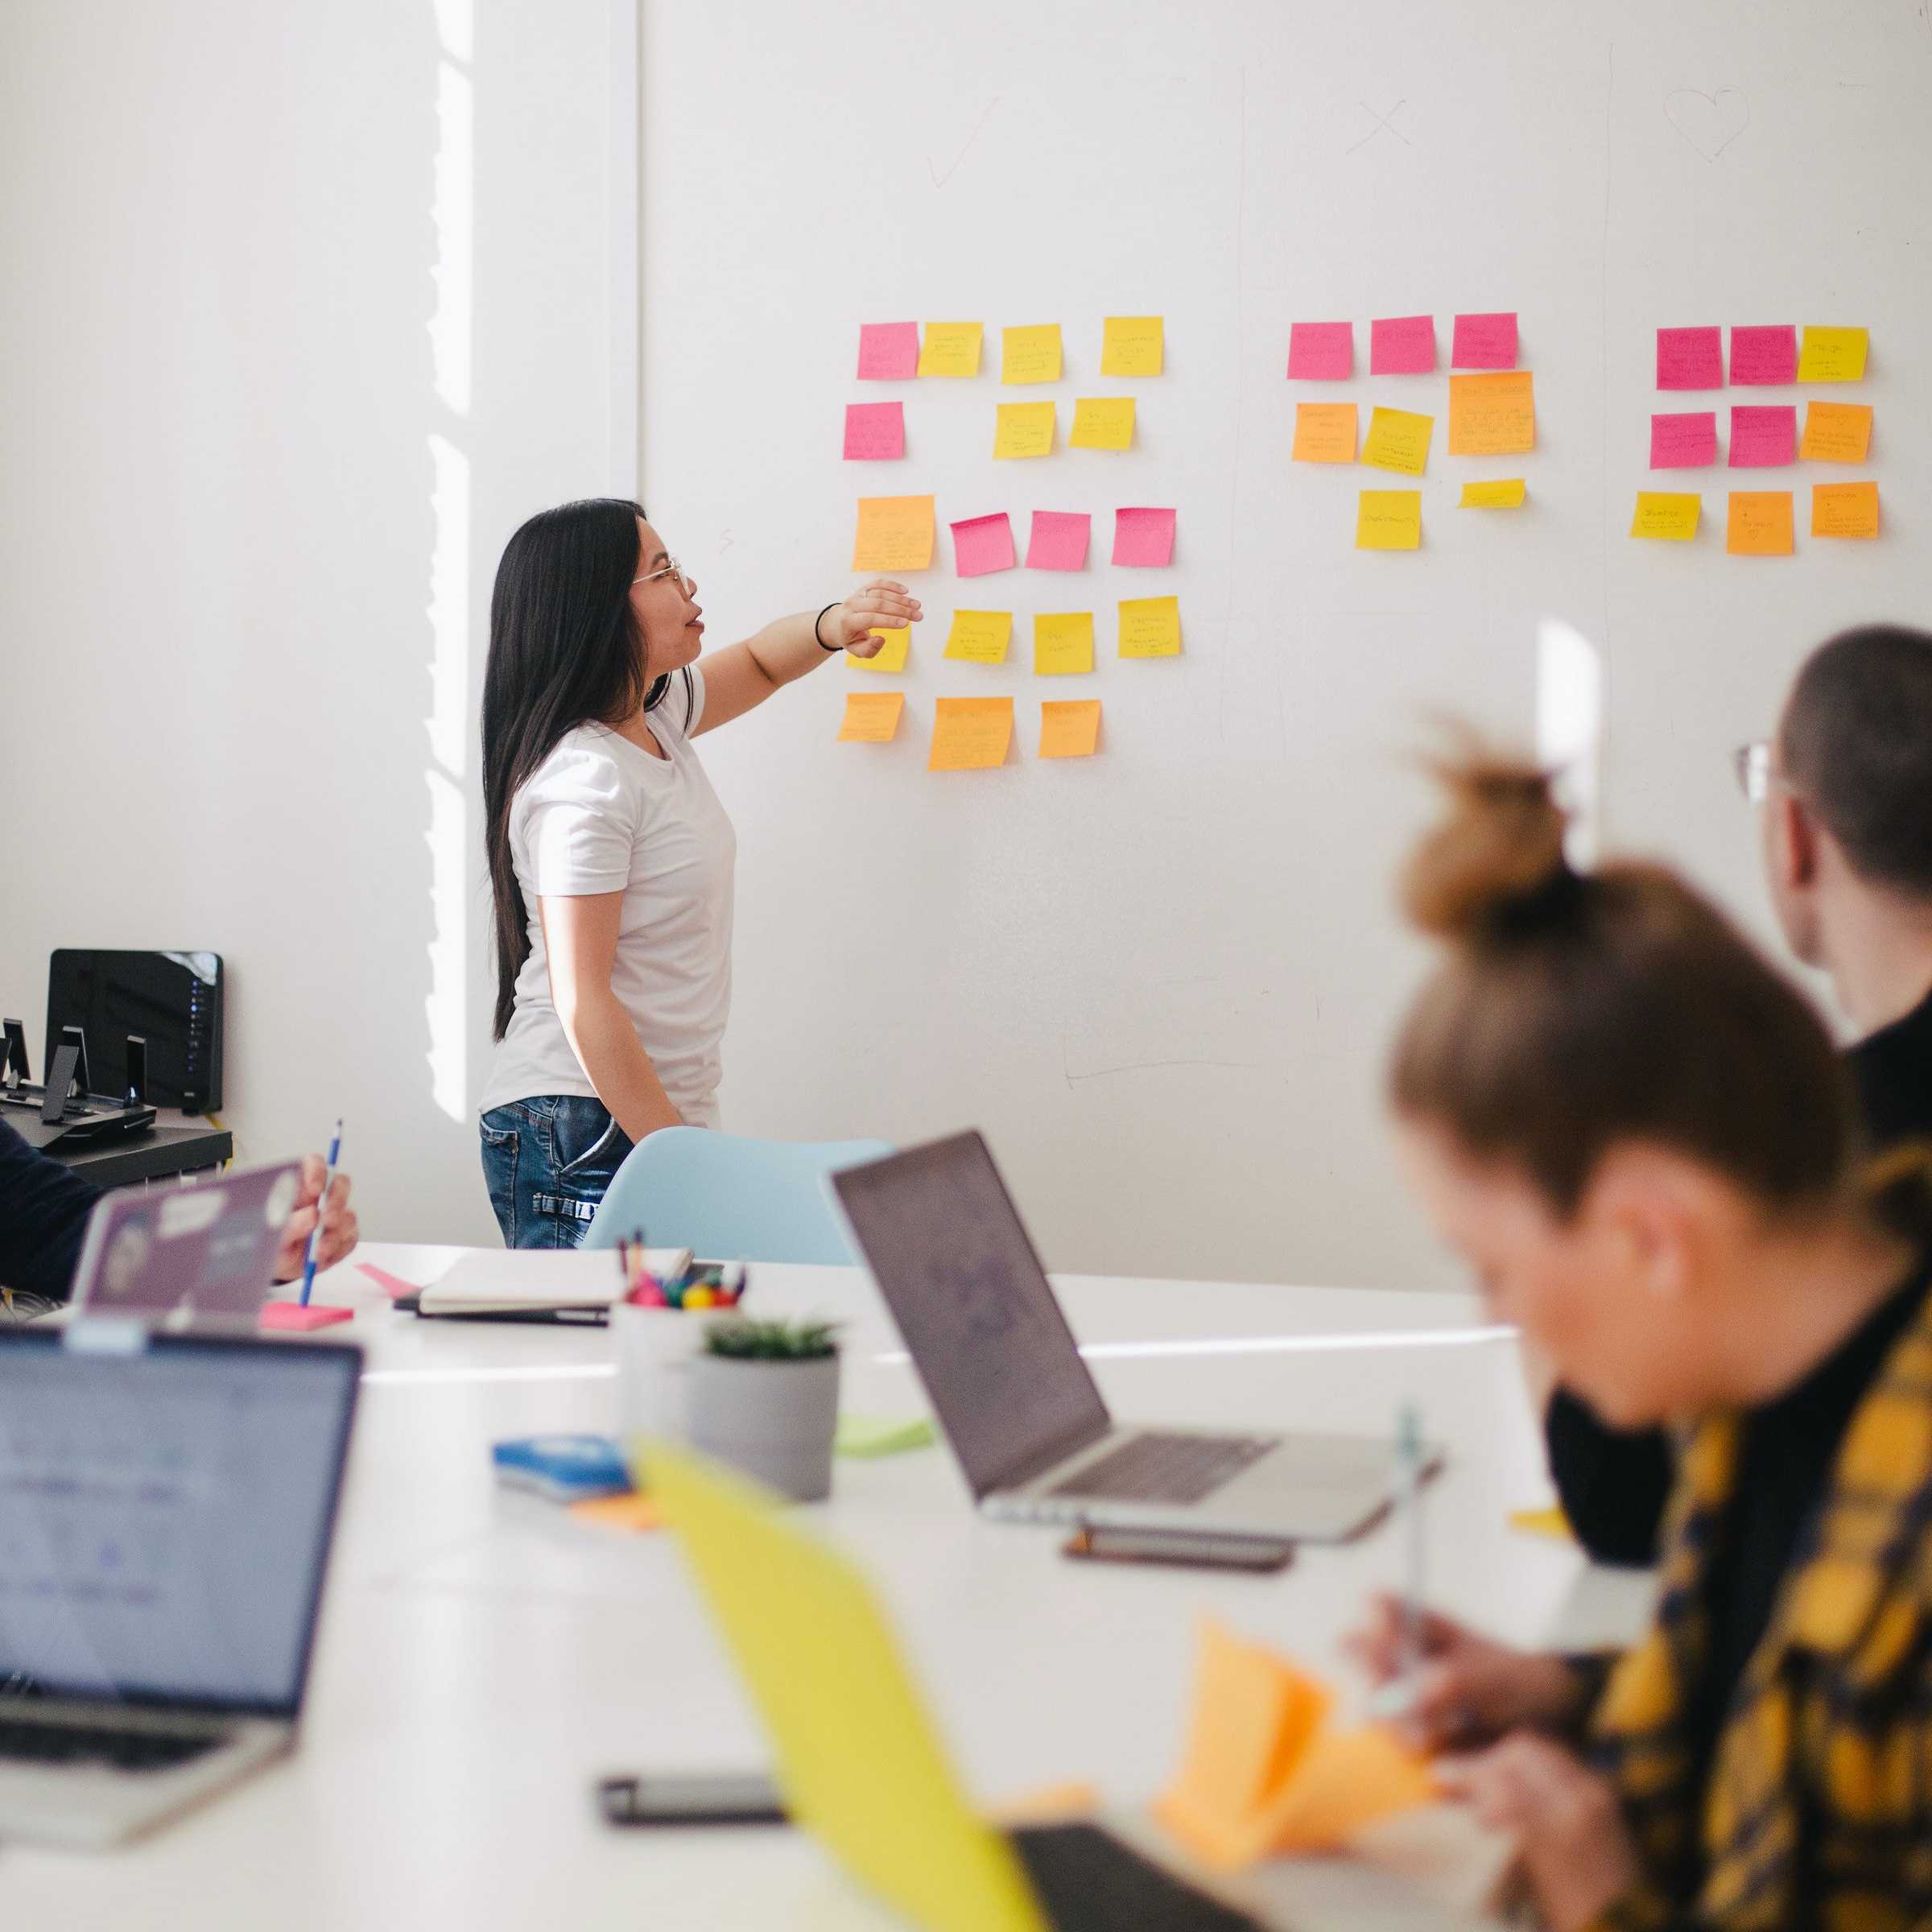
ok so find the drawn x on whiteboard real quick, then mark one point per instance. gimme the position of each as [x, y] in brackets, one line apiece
[1382, 121]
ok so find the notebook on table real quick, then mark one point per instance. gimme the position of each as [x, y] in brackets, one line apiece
[551, 1284]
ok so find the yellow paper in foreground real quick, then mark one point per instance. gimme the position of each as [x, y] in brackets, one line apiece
[950, 348]
[1030, 355]
[1507, 493]
[1324, 432]
[1833, 355]
[970, 734]
[979, 636]
[1132, 346]
[894, 532]
[1493, 414]
[1670, 514]
[1103, 422]
[1388, 519]
[1399, 439]
[1549, 1521]
[1844, 510]
[1150, 627]
[891, 653]
[1063, 642]
[1070, 730]
[1025, 429]
[872, 717]
[1836, 432]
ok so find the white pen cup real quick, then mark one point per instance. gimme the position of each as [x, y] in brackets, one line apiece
[656, 1348]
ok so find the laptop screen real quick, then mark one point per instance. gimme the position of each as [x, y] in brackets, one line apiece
[166, 1513]
[947, 1246]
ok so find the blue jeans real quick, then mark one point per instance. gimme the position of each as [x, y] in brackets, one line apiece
[547, 1161]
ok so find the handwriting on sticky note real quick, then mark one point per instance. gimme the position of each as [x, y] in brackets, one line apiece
[979, 636]
[1759, 524]
[1058, 541]
[951, 348]
[874, 431]
[1833, 355]
[1388, 519]
[1493, 414]
[872, 717]
[1030, 354]
[1844, 510]
[970, 734]
[1103, 422]
[981, 545]
[1024, 429]
[1071, 729]
[1401, 345]
[889, 352]
[1321, 352]
[1690, 358]
[1143, 539]
[1484, 341]
[893, 645]
[1150, 627]
[1765, 356]
[1399, 439]
[1668, 514]
[1506, 492]
[1684, 441]
[1764, 437]
[1132, 346]
[894, 533]
[1324, 432]
[1063, 643]
[1836, 432]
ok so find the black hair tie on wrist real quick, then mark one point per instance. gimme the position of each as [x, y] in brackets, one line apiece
[818, 620]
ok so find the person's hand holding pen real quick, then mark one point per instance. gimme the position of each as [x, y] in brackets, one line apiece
[339, 1228]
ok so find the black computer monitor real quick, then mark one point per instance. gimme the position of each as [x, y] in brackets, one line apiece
[171, 1000]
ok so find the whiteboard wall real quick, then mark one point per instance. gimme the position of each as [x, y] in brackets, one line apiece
[1163, 980]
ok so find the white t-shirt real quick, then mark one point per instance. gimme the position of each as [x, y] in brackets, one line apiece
[601, 815]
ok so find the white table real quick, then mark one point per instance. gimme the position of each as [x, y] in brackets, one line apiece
[482, 1656]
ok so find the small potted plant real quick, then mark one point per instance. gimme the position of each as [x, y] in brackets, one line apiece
[763, 1397]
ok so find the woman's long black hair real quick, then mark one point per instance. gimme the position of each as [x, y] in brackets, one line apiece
[563, 651]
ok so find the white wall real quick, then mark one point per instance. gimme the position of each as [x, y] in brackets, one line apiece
[306, 308]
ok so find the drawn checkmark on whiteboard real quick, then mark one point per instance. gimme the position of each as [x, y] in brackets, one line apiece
[1709, 122]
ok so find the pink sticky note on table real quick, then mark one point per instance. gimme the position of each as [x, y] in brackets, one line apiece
[1764, 355]
[889, 352]
[1321, 352]
[391, 1285]
[1144, 538]
[1763, 438]
[1690, 358]
[1401, 345]
[981, 545]
[874, 431]
[1485, 341]
[1058, 541]
[1684, 442]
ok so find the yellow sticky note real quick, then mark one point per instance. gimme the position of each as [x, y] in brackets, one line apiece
[1324, 432]
[891, 653]
[1549, 1521]
[1030, 355]
[1759, 524]
[1670, 514]
[1493, 414]
[1844, 510]
[950, 348]
[1388, 519]
[895, 532]
[1150, 627]
[872, 717]
[1836, 432]
[1103, 422]
[1505, 494]
[1063, 642]
[1070, 730]
[970, 734]
[1399, 439]
[1025, 429]
[1832, 355]
[979, 636]
[1132, 346]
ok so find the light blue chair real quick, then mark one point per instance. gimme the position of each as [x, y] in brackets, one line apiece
[730, 1199]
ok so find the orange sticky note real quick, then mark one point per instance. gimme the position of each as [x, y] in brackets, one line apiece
[891, 654]
[1493, 414]
[1844, 510]
[1063, 642]
[1324, 432]
[1759, 524]
[1347, 1779]
[1388, 519]
[894, 532]
[633, 1512]
[1836, 432]
[970, 734]
[1070, 730]
[872, 717]
[1150, 627]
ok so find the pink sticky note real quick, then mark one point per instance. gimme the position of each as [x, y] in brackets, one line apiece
[1684, 442]
[1321, 352]
[1401, 345]
[1762, 438]
[1058, 541]
[874, 431]
[1690, 358]
[889, 352]
[981, 545]
[1486, 342]
[1764, 355]
[391, 1285]
[1144, 537]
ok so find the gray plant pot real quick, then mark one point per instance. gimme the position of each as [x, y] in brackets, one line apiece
[774, 1420]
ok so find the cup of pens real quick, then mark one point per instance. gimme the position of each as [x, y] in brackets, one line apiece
[658, 1328]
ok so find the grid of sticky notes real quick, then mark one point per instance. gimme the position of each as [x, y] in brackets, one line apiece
[1490, 407]
[1061, 634]
[1763, 434]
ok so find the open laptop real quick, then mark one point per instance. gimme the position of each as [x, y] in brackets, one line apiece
[1019, 1407]
[859, 1761]
[167, 1505]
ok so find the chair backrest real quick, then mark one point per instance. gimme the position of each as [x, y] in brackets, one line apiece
[728, 1197]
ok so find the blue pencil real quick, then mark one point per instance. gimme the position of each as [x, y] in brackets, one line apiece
[315, 1233]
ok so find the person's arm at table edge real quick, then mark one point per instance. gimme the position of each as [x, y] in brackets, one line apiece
[43, 1210]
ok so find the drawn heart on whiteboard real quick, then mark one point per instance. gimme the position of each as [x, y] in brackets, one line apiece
[1709, 122]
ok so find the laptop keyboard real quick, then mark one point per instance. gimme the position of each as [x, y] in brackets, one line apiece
[1089, 1881]
[84, 1745]
[1155, 1467]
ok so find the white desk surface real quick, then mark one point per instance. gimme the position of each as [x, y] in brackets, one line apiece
[482, 1656]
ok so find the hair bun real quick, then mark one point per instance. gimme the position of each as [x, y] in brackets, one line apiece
[1498, 853]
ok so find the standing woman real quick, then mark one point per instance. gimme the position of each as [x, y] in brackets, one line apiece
[610, 857]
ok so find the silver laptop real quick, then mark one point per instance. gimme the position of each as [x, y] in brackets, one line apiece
[166, 1505]
[1019, 1407]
